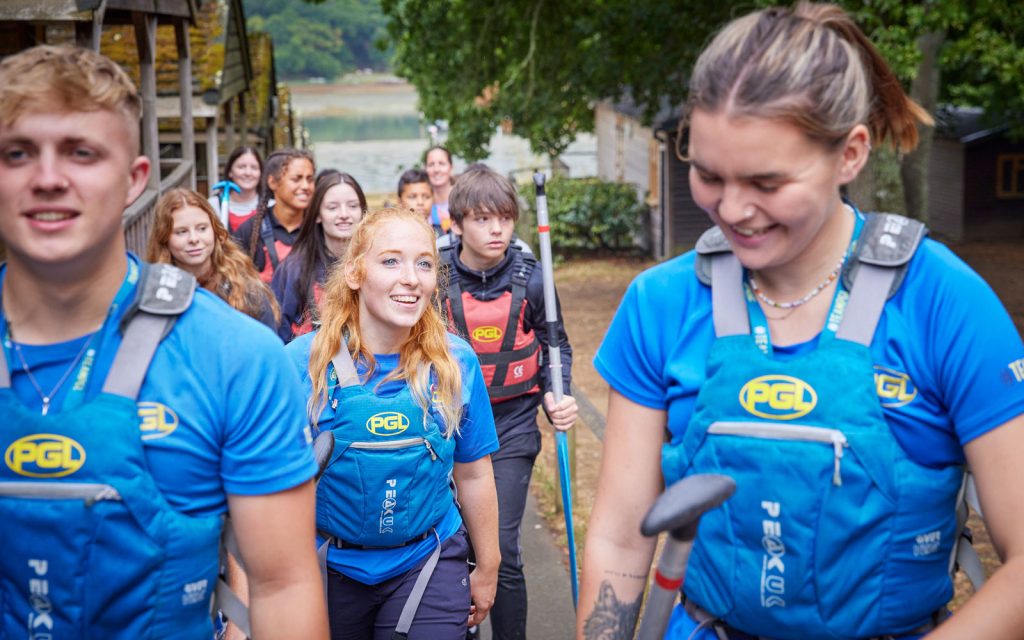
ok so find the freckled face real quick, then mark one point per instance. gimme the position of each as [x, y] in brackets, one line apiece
[399, 278]
[192, 239]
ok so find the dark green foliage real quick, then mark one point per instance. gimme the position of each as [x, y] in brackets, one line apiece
[590, 215]
[542, 64]
[324, 39]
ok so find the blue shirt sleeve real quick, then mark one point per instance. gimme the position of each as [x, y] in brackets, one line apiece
[660, 315]
[477, 436]
[970, 341]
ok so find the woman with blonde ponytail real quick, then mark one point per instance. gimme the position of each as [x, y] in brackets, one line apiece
[406, 405]
[844, 369]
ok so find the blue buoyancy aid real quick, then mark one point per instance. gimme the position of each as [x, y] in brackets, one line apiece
[92, 549]
[833, 532]
[388, 481]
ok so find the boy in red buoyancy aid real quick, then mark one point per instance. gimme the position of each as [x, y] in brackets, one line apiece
[495, 300]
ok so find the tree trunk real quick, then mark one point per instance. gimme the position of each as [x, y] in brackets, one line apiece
[925, 90]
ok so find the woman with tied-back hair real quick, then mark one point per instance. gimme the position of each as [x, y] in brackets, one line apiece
[244, 167]
[188, 234]
[268, 236]
[438, 164]
[407, 407]
[844, 372]
[337, 206]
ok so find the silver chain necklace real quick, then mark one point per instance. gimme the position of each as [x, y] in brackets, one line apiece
[48, 397]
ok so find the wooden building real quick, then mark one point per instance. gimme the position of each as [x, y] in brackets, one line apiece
[975, 178]
[235, 96]
[25, 23]
[647, 158]
[206, 85]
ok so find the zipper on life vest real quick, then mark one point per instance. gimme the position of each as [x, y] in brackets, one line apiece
[433, 456]
[774, 431]
[389, 444]
[89, 493]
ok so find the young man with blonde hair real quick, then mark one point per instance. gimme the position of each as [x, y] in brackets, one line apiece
[132, 422]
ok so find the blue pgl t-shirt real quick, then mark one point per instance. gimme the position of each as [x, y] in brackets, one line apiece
[215, 417]
[949, 363]
[475, 439]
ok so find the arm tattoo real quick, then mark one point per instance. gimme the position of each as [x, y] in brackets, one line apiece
[611, 619]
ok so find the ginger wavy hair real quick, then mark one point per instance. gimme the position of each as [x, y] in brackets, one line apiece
[232, 275]
[425, 352]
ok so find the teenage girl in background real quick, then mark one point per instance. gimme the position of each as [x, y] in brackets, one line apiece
[269, 234]
[339, 204]
[438, 163]
[244, 167]
[188, 234]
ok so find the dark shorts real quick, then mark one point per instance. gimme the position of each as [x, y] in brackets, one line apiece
[361, 611]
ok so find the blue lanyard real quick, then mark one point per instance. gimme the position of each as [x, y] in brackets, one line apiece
[759, 323]
[76, 393]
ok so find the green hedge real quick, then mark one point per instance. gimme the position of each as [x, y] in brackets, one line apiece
[587, 215]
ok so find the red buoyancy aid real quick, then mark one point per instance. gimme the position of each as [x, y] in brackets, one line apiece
[311, 315]
[509, 354]
[274, 251]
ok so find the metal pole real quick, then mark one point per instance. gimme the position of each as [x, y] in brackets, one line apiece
[555, 372]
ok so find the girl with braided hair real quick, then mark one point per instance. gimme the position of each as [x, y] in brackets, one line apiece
[269, 234]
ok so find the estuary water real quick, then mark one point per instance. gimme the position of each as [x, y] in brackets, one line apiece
[374, 131]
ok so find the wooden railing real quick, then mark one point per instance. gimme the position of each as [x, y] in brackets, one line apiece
[138, 218]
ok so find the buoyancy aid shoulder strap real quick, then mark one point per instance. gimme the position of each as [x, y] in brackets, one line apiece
[876, 271]
[5, 373]
[344, 368]
[267, 234]
[453, 290]
[165, 292]
[716, 262]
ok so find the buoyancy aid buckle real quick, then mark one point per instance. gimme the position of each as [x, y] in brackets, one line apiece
[338, 543]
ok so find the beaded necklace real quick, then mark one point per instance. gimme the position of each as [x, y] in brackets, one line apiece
[802, 301]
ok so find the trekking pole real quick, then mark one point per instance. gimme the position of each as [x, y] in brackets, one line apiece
[555, 372]
[226, 187]
[677, 510]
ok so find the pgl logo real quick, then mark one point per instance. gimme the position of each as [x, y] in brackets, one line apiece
[44, 455]
[388, 423]
[778, 397]
[487, 334]
[156, 420]
[894, 388]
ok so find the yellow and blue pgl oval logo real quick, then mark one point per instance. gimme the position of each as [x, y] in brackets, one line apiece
[778, 397]
[44, 455]
[156, 420]
[894, 388]
[387, 423]
[487, 334]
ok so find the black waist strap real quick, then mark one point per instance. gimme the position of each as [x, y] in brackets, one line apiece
[342, 544]
[726, 632]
